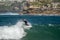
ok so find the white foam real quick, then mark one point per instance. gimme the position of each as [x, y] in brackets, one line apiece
[14, 32]
[9, 13]
[50, 24]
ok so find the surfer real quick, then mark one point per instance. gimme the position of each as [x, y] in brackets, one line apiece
[25, 21]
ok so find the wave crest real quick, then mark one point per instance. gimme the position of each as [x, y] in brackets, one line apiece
[15, 31]
[9, 13]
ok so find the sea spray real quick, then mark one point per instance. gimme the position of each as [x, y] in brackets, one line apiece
[9, 13]
[14, 32]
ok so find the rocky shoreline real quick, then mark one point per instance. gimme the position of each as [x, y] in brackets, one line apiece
[41, 12]
[51, 12]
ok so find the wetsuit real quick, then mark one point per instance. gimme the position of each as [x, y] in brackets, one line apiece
[25, 22]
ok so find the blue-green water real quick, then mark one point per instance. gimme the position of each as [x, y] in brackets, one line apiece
[43, 27]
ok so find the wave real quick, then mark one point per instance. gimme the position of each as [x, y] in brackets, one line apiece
[15, 31]
[9, 13]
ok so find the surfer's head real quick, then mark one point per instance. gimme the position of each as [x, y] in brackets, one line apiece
[25, 21]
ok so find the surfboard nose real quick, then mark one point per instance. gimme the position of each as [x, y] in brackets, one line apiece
[27, 26]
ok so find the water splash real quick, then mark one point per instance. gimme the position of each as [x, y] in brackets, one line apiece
[15, 31]
[50, 24]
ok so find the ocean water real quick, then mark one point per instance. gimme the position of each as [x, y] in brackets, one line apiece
[43, 27]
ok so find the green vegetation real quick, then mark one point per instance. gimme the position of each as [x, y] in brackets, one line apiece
[35, 3]
[41, 3]
[56, 0]
[17, 5]
[8, 6]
